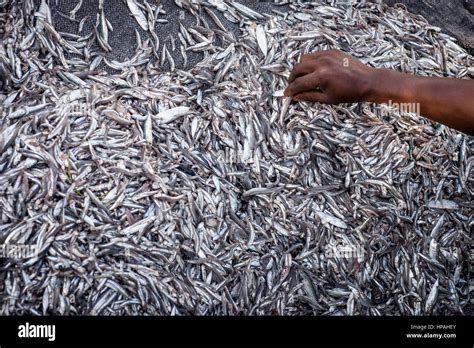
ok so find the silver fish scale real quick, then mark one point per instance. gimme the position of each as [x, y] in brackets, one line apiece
[205, 191]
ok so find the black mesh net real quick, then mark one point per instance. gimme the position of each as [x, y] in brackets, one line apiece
[123, 37]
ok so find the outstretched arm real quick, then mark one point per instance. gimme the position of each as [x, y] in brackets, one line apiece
[333, 77]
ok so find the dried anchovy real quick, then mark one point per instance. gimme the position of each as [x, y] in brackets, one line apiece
[205, 192]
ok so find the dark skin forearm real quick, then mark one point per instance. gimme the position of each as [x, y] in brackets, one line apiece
[332, 77]
[445, 100]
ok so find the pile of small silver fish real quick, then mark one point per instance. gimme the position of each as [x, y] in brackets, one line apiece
[205, 191]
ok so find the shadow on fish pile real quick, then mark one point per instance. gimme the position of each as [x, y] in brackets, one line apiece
[207, 192]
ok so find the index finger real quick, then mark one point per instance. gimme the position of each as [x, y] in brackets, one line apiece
[301, 69]
[302, 84]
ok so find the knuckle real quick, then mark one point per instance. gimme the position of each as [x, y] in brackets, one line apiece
[324, 63]
[297, 67]
[324, 76]
[305, 57]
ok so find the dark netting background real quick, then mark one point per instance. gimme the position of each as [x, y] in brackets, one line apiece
[456, 18]
[123, 38]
